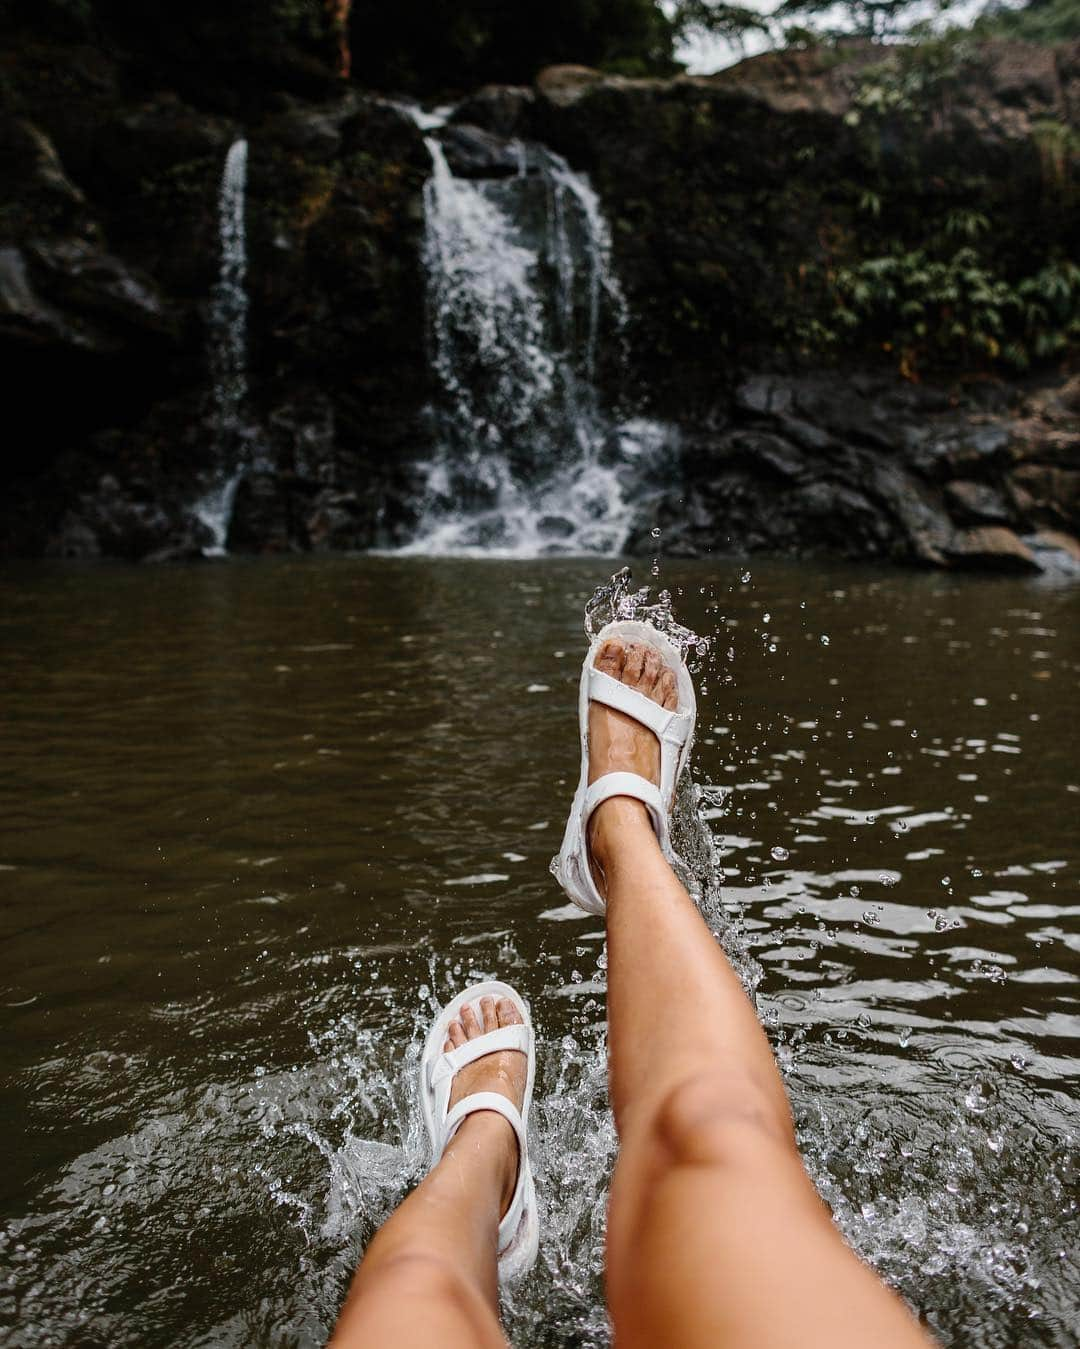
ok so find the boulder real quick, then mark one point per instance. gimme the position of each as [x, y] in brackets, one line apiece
[474, 153]
[991, 548]
[261, 515]
[1049, 493]
[1055, 551]
[976, 503]
[314, 132]
[563, 86]
[504, 109]
[110, 522]
[27, 318]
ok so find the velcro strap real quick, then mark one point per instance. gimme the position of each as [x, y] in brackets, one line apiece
[483, 1100]
[627, 784]
[614, 693]
[451, 1061]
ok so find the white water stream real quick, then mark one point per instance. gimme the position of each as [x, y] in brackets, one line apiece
[523, 302]
[228, 351]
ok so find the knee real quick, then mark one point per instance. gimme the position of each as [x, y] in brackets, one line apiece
[709, 1119]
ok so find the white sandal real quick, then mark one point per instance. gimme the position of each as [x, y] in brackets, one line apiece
[519, 1230]
[673, 729]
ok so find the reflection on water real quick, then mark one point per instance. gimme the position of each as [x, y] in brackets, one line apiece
[260, 819]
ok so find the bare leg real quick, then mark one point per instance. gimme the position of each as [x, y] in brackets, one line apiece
[716, 1233]
[428, 1280]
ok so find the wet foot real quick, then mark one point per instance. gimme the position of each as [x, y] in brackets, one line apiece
[505, 1071]
[619, 744]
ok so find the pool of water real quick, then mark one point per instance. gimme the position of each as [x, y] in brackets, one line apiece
[259, 817]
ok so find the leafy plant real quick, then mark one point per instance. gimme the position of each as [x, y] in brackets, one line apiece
[918, 75]
[947, 312]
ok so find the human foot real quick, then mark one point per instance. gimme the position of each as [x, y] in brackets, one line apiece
[505, 1071]
[619, 744]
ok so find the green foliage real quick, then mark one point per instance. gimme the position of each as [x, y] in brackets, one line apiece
[1058, 147]
[863, 18]
[916, 76]
[954, 311]
[717, 17]
[1040, 21]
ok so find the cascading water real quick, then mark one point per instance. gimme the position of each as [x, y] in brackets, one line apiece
[521, 297]
[228, 351]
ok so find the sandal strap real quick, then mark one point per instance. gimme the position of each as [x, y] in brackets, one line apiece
[632, 785]
[451, 1061]
[501, 1105]
[667, 724]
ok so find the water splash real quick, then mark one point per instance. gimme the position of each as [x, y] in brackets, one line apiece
[696, 804]
[228, 351]
[522, 297]
[615, 600]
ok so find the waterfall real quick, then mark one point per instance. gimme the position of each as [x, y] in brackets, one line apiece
[522, 298]
[228, 351]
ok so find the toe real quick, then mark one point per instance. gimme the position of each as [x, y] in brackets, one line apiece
[471, 1022]
[635, 663]
[667, 691]
[611, 657]
[651, 671]
[508, 1014]
[487, 1011]
[456, 1032]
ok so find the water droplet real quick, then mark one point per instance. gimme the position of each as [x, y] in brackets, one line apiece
[975, 1101]
[779, 854]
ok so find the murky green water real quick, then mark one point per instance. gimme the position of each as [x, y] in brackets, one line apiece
[255, 816]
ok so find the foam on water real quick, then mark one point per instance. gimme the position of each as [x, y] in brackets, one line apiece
[959, 1206]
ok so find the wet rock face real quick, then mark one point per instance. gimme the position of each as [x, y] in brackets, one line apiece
[109, 251]
[723, 196]
[868, 468]
[736, 199]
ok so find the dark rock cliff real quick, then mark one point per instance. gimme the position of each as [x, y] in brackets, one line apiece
[741, 207]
